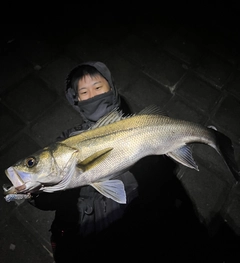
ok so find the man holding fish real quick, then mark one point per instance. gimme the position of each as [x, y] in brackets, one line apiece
[83, 211]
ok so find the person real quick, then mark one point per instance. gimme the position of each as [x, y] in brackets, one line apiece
[82, 213]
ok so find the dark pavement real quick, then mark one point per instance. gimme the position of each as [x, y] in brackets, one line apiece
[187, 63]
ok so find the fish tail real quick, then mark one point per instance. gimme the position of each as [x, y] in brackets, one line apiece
[225, 148]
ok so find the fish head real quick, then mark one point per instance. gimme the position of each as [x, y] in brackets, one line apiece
[44, 168]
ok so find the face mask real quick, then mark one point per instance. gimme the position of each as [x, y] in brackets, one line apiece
[95, 108]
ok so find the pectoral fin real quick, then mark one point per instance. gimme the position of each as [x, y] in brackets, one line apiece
[94, 159]
[113, 189]
[184, 156]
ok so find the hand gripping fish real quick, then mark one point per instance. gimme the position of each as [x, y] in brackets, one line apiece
[112, 146]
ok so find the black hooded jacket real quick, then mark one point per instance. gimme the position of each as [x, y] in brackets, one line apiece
[84, 206]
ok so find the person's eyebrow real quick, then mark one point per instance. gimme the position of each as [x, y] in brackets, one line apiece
[82, 88]
[97, 82]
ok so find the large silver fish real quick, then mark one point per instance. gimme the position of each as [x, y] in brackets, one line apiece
[112, 146]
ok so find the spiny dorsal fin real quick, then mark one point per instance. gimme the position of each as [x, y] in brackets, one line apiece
[117, 115]
[113, 116]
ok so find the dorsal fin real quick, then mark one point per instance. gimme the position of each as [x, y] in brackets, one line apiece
[113, 116]
[117, 115]
[152, 109]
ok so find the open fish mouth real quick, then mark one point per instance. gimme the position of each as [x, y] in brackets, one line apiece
[18, 185]
[14, 177]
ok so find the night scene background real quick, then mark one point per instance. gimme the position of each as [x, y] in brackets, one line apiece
[183, 57]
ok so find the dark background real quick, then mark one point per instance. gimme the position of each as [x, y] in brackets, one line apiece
[182, 56]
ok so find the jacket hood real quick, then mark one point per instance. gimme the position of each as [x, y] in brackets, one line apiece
[113, 98]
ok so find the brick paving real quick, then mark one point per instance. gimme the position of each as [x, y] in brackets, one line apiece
[192, 73]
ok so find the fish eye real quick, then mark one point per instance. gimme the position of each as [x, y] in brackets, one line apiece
[30, 162]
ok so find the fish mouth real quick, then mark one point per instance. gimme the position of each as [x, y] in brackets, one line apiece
[18, 185]
[14, 177]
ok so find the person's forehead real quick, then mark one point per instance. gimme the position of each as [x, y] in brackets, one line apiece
[91, 80]
[92, 77]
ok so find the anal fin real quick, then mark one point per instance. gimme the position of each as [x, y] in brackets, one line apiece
[113, 189]
[184, 156]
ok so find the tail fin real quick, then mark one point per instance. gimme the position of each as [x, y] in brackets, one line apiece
[226, 149]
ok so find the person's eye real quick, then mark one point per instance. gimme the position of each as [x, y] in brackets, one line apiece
[98, 88]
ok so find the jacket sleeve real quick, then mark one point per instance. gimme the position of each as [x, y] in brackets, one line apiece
[60, 200]
[67, 133]
[45, 201]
